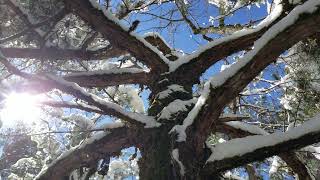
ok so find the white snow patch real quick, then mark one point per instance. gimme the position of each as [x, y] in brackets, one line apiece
[116, 124]
[274, 165]
[314, 150]
[175, 155]
[247, 127]
[171, 89]
[180, 129]
[175, 107]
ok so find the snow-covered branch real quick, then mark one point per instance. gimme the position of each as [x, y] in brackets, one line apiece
[117, 33]
[237, 129]
[216, 50]
[74, 89]
[89, 152]
[241, 129]
[109, 108]
[240, 151]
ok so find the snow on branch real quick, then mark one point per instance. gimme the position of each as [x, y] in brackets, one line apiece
[239, 151]
[252, 129]
[289, 158]
[221, 78]
[117, 33]
[89, 152]
[276, 12]
[108, 107]
[175, 156]
[170, 90]
[75, 90]
[175, 107]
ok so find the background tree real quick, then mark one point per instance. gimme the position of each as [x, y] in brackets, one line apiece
[117, 102]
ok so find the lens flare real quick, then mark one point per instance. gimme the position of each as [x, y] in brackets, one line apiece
[20, 107]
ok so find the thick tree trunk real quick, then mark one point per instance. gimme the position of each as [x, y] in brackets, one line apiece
[157, 162]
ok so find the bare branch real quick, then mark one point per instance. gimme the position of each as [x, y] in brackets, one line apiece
[84, 107]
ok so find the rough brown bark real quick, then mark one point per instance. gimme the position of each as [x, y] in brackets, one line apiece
[156, 162]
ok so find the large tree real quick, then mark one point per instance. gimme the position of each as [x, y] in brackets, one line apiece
[56, 47]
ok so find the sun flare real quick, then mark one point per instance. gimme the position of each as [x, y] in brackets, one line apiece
[20, 107]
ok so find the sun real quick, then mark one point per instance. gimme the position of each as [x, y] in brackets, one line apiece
[20, 107]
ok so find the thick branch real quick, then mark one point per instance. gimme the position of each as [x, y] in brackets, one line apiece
[254, 148]
[75, 90]
[89, 153]
[111, 78]
[289, 158]
[107, 107]
[117, 36]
